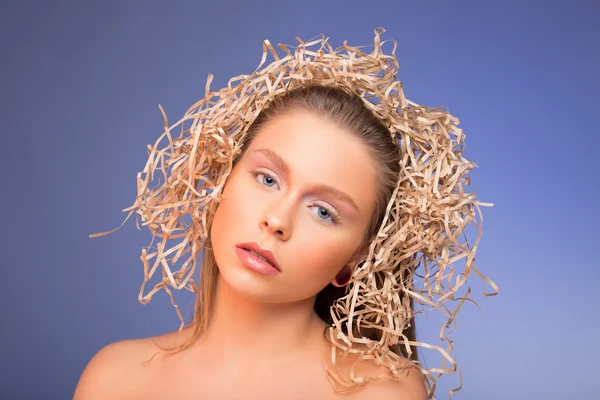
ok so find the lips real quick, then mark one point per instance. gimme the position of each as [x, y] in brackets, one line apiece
[255, 247]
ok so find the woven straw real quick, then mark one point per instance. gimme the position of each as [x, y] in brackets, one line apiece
[426, 216]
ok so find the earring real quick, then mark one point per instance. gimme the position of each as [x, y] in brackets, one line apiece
[343, 277]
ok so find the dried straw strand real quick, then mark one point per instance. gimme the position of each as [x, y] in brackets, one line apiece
[428, 212]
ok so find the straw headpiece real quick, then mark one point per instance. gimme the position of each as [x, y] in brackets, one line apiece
[428, 212]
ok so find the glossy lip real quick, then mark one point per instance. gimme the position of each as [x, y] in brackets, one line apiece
[259, 250]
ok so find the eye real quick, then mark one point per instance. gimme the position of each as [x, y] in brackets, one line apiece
[326, 214]
[263, 178]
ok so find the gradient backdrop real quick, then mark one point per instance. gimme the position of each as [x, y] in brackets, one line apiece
[80, 86]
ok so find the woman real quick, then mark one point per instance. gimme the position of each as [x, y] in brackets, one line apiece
[310, 203]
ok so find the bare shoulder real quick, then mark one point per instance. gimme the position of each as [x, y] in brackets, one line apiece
[409, 386]
[118, 370]
[110, 372]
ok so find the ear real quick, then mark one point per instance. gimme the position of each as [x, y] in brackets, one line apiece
[356, 258]
[345, 274]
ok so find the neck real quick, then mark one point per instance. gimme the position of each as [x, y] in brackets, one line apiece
[244, 332]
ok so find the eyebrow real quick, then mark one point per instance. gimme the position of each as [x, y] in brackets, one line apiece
[281, 164]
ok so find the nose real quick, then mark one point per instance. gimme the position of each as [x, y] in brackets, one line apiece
[276, 221]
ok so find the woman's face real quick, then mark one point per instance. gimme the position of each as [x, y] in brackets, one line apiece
[305, 190]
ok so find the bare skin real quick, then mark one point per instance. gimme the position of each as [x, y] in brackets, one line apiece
[116, 372]
[265, 341]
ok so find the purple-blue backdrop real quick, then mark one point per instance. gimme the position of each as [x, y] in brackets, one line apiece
[80, 86]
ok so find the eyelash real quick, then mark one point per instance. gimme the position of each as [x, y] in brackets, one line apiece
[332, 213]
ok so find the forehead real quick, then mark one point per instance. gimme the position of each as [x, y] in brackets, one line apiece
[319, 152]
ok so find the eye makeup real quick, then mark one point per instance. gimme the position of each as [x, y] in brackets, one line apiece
[335, 215]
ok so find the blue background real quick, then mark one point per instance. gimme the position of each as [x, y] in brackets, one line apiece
[80, 88]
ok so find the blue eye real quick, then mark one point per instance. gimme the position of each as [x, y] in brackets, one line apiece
[330, 217]
[324, 214]
[266, 180]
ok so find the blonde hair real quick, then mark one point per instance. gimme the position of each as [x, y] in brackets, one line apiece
[422, 208]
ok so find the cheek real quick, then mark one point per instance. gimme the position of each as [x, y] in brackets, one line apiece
[230, 217]
[325, 252]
